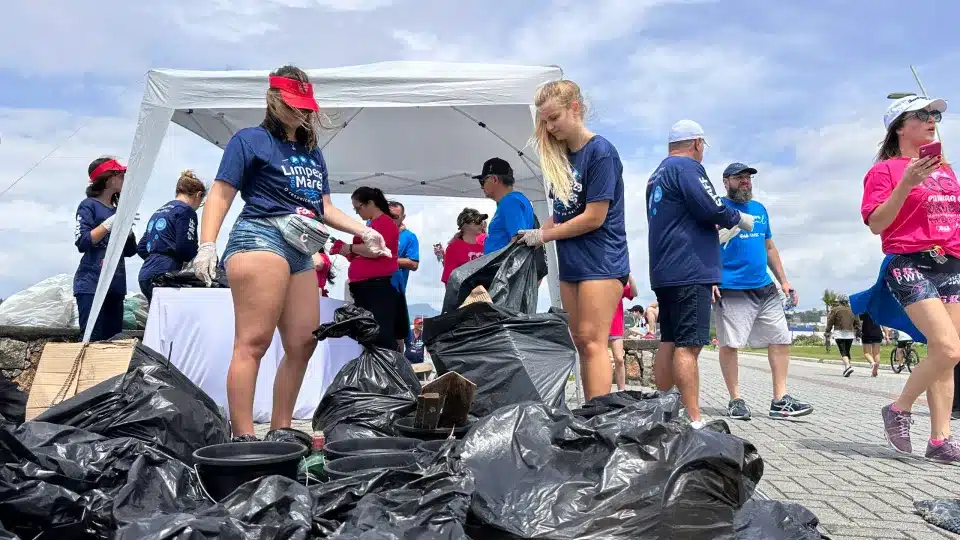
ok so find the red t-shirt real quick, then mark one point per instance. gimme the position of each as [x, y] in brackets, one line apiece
[323, 273]
[929, 217]
[363, 268]
[616, 328]
[458, 253]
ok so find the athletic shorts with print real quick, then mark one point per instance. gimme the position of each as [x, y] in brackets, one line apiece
[916, 277]
[751, 318]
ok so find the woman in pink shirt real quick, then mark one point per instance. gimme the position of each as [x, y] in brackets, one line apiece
[467, 244]
[369, 274]
[616, 336]
[913, 203]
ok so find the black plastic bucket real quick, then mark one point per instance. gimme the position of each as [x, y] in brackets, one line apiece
[355, 465]
[225, 467]
[362, 447]
[404, 427]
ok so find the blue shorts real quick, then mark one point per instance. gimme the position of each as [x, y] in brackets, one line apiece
[685, 314]
[259, 235]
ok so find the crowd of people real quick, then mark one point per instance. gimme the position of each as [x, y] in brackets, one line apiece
[706, 252]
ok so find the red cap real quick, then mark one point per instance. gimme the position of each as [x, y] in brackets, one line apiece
[296, 94]
[107, 166]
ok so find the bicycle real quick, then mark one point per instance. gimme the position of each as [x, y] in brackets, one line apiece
[910, 358]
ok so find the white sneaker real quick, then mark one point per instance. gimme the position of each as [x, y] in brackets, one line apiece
[698, 424]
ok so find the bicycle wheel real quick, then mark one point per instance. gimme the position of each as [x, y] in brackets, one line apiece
[912, 359]
[893, 361]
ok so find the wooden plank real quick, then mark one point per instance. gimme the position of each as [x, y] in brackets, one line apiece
[429, 406]
[458, 393]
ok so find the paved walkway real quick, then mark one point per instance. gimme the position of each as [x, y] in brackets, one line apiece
[835, 461]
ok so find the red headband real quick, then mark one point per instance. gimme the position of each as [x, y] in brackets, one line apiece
[296, 94]
[107, 166]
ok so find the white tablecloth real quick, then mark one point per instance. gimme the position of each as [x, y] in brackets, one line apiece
[194, 329]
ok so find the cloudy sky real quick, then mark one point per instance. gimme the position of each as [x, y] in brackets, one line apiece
[796, 89]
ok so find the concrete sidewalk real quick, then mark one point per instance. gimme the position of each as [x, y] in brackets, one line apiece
[835, 461]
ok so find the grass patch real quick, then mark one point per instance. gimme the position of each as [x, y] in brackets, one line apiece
[856, 352]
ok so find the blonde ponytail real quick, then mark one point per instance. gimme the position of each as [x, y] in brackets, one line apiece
[552, 152]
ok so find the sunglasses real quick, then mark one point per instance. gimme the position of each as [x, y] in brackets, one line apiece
[923, 115]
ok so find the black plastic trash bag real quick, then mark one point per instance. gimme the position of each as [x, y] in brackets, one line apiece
[511, 357]
[433, 507]
[370, 391]
[943, 513]
[185, 279]
[272, 507]
[83, 485]
[153, 402]
[509, 275]
[333, 501]
[623, 474]
[13, 401]
[776, 520]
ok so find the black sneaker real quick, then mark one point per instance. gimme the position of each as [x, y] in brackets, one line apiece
[848, 371]
[289, 435]
[788, 407]
[955, 415]
[738, 410]
[245, 438]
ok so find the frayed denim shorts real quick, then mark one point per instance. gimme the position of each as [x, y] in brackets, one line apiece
[260, 235]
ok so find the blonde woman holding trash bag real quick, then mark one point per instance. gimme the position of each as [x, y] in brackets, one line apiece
[910, 199]
[586, 183]
[279, 172]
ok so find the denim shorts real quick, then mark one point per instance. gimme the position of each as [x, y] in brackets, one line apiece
[685, 314]
[259, 235]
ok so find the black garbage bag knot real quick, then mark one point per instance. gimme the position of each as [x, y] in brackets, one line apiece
[352, 321]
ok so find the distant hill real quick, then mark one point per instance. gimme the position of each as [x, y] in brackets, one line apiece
[422, 310]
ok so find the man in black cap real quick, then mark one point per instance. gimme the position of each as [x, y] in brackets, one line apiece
[514, 211]
[750, 310]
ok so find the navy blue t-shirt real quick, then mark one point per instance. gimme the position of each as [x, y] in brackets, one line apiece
[274, 177]
[170, 240]
[602, 252]
[683, 213]
[90, 214]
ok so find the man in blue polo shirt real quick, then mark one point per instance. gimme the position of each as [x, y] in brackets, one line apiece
[683, 215]
[750, 310]
[408, 260]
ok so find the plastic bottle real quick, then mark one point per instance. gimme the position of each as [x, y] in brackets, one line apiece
[314, 463]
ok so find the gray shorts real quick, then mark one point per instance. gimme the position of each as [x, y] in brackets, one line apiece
[751, 318]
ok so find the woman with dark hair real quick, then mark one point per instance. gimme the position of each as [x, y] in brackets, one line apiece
[370, 271]
[95, 218]
[911, 202]
[280, 174]
[170, 240]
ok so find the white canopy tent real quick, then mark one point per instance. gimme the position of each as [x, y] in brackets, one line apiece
[408, 128]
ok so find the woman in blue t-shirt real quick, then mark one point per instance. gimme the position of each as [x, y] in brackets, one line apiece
[170, 240]
[95, 217]
[280, 174]
[586, 184]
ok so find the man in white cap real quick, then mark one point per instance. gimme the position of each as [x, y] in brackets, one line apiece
[683, 216]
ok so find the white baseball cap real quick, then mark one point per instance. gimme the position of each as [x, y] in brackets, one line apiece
[909, 104]
[686, 130]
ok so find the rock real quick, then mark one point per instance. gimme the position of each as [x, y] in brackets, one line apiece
[14, 354]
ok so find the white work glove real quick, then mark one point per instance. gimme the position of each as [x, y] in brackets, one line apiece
[728, 234]
[205, 263]
[374, 242]
[108, 223]
[746, 222]
[531, 237]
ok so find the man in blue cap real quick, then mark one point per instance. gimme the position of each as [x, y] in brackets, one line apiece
[750, 310]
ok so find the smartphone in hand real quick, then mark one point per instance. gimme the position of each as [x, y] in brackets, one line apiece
[932, 149]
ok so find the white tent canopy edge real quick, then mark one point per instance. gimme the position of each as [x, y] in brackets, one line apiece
[409, 128]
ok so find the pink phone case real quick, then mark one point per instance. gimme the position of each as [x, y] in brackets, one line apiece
[932, 149]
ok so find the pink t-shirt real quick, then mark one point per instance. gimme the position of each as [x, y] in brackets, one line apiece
[929, 217]
[616, 328]
[458, 253]
[363, 268]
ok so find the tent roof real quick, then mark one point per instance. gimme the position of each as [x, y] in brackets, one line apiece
[409, 128]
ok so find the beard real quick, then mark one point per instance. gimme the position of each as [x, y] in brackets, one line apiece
[740, 195]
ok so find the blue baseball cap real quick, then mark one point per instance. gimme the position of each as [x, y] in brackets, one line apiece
[737, 168]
